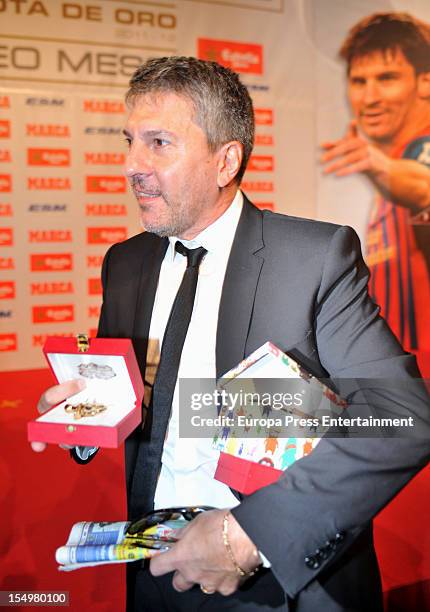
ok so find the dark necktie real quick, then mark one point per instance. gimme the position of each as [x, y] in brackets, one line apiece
[154, 431]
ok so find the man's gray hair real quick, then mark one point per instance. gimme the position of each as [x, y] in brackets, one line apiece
[222, 103]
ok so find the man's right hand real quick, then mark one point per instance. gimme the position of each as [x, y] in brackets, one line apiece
[352, 154]
[51, 397]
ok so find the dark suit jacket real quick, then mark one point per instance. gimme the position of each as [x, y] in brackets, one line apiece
[303, 285]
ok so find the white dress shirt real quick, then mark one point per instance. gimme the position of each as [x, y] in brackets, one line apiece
[188, 464]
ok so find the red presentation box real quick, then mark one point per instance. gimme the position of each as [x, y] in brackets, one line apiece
[244, 476]
[113, 393]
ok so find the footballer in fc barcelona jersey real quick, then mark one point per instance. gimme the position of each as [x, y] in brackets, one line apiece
[388, 59]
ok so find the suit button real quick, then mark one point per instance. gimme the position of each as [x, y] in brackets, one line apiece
[312, 562]
[321, 553]
[340, 537]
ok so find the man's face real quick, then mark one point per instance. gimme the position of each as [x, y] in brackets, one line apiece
[382, 89]
[169, 166]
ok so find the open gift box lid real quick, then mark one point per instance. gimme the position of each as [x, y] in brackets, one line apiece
[108, 409]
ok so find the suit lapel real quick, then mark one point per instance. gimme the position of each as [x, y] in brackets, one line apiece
[152, 258]
[239, 288]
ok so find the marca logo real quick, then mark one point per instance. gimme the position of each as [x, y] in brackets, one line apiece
[264, 205]
[93, 312]
[6, 236]
[264, 140]
[6, 210]
[50, 236]
[257, 186]
[47, 262]
[105, 159]
[48, 157]
[7, 263]
[40, 208]
[5, 156]
[5, 183]
[263, 116]
[47, 130]
[261, 163]
[106, 235]
[45, 102]
[102, 131]
[4, 128]
[103, 106]
[7, 290]
[94, 286]
[102, 210]
[53, 314]
[8, 342]
[241, 57]
[105, 184]
[35, 183]
[51, 288]
[4, 102]
[94, 261]
[40, 339]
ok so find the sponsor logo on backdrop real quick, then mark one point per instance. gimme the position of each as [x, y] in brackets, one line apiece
[102, 131]
[40, 339]
[94, 261]
[105, 210]
[50, 236]
[240, 57]
[7, 290]
[264, 205]
[4, 102]
[51, 262]
[260, 163]
[7, 263]
[6, 236]
[51, 288]
[264, 140]
[47, 130]
[35, 101]
[10, 403]
[4, 128]
[93, 312]
[48, 157]
[5, 156]
[263, 116]
[257, 186]
[103, 106]
[6, 314]
[8, 342]
[6, 210]
[42, 208]
[105, 159]
[105, 184]
[36, 183]
[5, 183]
[106, 235]
[94, 286]
[63, 313]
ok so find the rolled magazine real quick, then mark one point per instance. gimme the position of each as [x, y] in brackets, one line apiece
[92, 544]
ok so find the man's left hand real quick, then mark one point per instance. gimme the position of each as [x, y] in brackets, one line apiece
[201, 557]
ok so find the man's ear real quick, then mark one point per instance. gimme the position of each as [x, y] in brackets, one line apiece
[229, 162]
[423, 81]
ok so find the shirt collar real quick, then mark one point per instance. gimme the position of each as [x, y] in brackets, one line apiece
[218, 236]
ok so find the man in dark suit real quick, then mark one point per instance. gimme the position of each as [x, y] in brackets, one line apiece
[299, 283]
